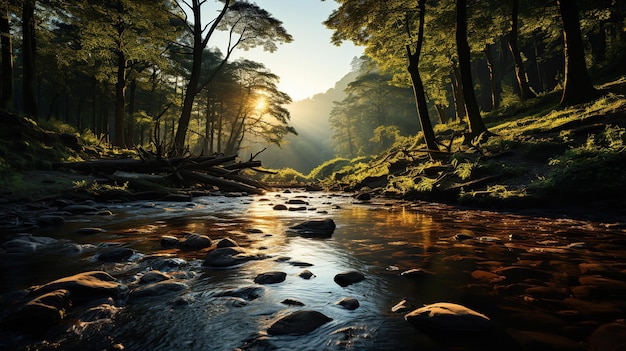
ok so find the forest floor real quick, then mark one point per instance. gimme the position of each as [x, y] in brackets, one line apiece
[543, 159]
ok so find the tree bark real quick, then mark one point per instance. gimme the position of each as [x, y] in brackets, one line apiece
[130, 133]
[577, 87]
[457, 94]
[495, 87]
[120, 100]
[418, 86]
[476, 124]
[6, 98]
[28, 48]
[520, 72]
[199, 43]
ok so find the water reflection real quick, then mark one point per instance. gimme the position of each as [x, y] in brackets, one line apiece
[380, 239]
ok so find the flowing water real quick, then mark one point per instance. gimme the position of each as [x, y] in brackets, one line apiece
[380, 239]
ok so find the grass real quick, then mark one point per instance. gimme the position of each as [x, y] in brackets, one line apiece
[541, 152]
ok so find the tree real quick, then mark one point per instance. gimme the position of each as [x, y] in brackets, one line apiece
[6, 92]
[418, 86]
[385, 28]
[577, 87]
[28, 59]
[476, 124]
[520, 72]
[248, 26]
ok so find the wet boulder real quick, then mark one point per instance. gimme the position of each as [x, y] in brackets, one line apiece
[316, 228]
[195, 242]
[348, 278]
[153, 277]
[349, 303]
[247, 293]
[41, 313]
[28, 244]
[84, 286]
[270, 278]
[157, 289]
[116, 254]
[226, 242]
[444, 317]
[298, 323]
[608, 337]
[306, 274]
[168, 241]
[50, 221]
[229, 256]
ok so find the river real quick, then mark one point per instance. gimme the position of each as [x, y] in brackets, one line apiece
[468, 256]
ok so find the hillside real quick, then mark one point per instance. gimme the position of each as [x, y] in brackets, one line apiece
[541, 155]
[309, 117]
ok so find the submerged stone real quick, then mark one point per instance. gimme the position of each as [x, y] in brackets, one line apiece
[298, 323]
[270, 278]
[316, 228]
[444, 317]
[87, 285]
[347, 278]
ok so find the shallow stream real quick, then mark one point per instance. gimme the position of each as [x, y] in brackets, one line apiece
[381, 239]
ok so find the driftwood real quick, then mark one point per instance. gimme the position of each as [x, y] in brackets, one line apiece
[160, 174]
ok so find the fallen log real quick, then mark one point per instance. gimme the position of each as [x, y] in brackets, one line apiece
[221, 183]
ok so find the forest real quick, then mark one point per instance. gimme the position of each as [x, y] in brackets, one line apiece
[136, 76]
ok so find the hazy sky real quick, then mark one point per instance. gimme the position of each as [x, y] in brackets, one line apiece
[310, 64]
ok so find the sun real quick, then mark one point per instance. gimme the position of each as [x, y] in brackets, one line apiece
[261, 104]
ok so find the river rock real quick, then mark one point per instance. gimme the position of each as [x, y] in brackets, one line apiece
[296, 202]
[298, 323]
[195, 242]
[248, 293]
[402, 307]
[316, 228]
[157, 289]
[347, 278]
[349, 303]
[280, 207]
[41, 313]
[306, 274]
[292, 302]
[27, 244]
[609, 337]
[226, 242]
[116, 254]
[416, 273]
[444, 317]
[270, 278]
[229, 256]
[153, 277]
[168, 241]
[83, 286]
[50, 221]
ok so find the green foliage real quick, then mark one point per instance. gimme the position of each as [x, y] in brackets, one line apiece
[286, 175]
[327, 168]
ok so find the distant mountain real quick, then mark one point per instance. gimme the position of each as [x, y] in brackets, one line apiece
[309, 117]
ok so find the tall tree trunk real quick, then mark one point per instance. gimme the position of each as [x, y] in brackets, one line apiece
[28, 48]
[577, 87]
[495, 87]
[520, 72]
[6, 97]
[199, 43]
[457, 94]
[476, 124]
[120, 100]
[130, 133]
[418, 86]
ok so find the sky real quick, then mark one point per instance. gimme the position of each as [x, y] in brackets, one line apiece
[310, 64]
